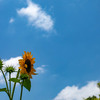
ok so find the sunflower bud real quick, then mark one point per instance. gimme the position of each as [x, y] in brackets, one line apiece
[10, 69]
[98, 85]
[24, 76]
[1, 64]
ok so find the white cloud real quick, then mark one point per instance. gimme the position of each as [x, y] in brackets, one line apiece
[14, 62]
[75, 93]
[41, 69]
[11, 20]
[37, 16]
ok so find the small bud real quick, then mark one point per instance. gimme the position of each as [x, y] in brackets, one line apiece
[98, 85]
[99, 95]
[24, 76]
[1, 64]
[10, 69]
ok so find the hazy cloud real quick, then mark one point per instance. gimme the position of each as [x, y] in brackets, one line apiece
[11, 20]
[41, 69]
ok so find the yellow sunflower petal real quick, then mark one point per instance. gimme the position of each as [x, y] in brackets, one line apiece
[33, 70]
[32, 61]
[20, 67]
[25, 65]
[33, 73]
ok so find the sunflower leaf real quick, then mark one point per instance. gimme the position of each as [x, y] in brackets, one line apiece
[27, 84]
[14, 80]
[3, 90]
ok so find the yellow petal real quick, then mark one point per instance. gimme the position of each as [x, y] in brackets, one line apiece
[25, 65]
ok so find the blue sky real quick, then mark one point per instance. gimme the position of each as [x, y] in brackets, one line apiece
[63, 35]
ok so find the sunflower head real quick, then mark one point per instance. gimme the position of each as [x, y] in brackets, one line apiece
[10, 69]
[26, 64]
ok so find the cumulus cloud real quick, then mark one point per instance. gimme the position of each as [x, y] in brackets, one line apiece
[11, 20]
[36, 16]
[76, 93]
[14, 62]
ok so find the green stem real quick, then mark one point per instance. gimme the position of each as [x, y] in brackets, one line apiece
[21, 90]
[6, 83]
[5, 79]
[10, 98]
[10, 82]
[15, 84]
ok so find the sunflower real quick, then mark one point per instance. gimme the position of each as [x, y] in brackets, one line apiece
[26, 64]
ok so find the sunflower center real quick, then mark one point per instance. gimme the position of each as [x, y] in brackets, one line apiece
[28, 63]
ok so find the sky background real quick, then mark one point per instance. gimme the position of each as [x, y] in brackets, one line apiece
[63, 36]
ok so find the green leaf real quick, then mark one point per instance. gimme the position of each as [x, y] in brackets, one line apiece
[14, 80]
[3, 90]
[27, 84]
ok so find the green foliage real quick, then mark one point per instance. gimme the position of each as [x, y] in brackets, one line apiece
[24, 76]
[27, 84]
[3, 90]
[14, 80]
[98, 85]
[92, 98]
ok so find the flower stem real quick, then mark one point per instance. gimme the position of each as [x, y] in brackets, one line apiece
[10, 82]
[5, 79]
[21, 90]
[6, 83]
[15, 83]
